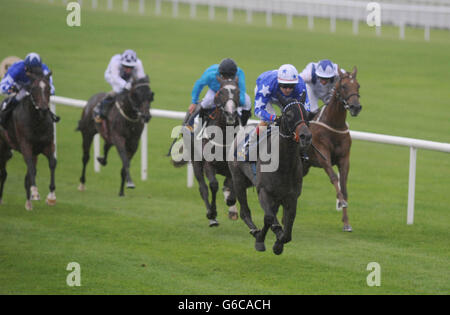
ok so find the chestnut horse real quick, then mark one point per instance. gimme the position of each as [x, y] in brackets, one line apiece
[331, 137]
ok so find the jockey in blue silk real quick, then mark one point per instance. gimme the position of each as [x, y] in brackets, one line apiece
[285, 81]
[16, 81]
[227, 69]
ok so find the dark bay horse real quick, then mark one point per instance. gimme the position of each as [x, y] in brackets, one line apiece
[122, 128]
[213, 137]
[281, 186]
[30, 131]
[331, 137]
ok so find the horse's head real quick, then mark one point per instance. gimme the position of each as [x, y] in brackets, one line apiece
[39, 90]
[141, 96]
[347, 91]
[227, 100]
[293, 122]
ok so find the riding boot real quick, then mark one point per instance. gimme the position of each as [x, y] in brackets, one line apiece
[190, 121]
[102, 109]
[6, 109]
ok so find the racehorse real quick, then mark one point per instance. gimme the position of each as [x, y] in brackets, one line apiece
[30, 131]
[331, 137]
[224, 115]
[122, 127]
[281, 186]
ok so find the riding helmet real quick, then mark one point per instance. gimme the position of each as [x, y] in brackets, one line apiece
[33, 60]
[326, 69]
[228, 67]
[129, 58]
[287, 74]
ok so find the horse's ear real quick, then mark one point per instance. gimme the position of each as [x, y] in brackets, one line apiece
[341, 72]
[236, 79]
[48, 75]
[355, 71]
[219, 79]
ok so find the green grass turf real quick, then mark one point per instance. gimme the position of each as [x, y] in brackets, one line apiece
[156, 240]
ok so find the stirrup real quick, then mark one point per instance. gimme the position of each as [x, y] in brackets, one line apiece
[98, 119]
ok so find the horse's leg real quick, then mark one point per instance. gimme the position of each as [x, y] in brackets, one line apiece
[125, 175]
[270, 208]
[344, 167]
[49, 152]
[240, 189]
[104, 160]
[87, 141]
[328, 168]
[230, 198]
[214, 187]
[3, 176]
[289, 213]
[203, 189]
[29, 177]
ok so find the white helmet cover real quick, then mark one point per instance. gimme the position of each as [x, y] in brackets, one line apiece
[287, 74]
[326, 69]
[129, 58]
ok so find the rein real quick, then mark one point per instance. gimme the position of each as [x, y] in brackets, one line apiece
[301, 121]
[125, 115]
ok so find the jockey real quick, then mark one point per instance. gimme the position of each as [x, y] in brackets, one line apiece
[320, 80]
[285, 81]
[227, 69]
[16, 81]
[121, 71]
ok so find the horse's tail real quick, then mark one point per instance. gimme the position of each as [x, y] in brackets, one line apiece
[78, 126]
[178, 164]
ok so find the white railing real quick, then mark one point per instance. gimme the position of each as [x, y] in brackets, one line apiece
[413, 144]
[419, 14]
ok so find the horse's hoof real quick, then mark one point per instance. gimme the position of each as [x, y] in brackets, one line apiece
[130, 185]
[213, 222]
[35, 194]
[278, 248]
[233, 213]
[254, 232]
[28, 205]
[82, 187]
[347, 228]
[260, 247]
[102, 161]
[51, 199]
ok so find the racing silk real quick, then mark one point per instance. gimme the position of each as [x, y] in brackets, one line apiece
[209, 78]
[116, 77]
[16, 77]
[266, 93]
[322, 92]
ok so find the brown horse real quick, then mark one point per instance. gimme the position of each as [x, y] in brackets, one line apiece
[30, 131]
[331, 137]
[218, 122]
[122, 128]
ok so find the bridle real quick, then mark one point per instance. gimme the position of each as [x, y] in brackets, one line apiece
[339, 94]
[297, 123]
[132, 102]
[32, 99]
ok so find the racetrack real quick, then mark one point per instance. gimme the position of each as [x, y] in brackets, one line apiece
[156, 239]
